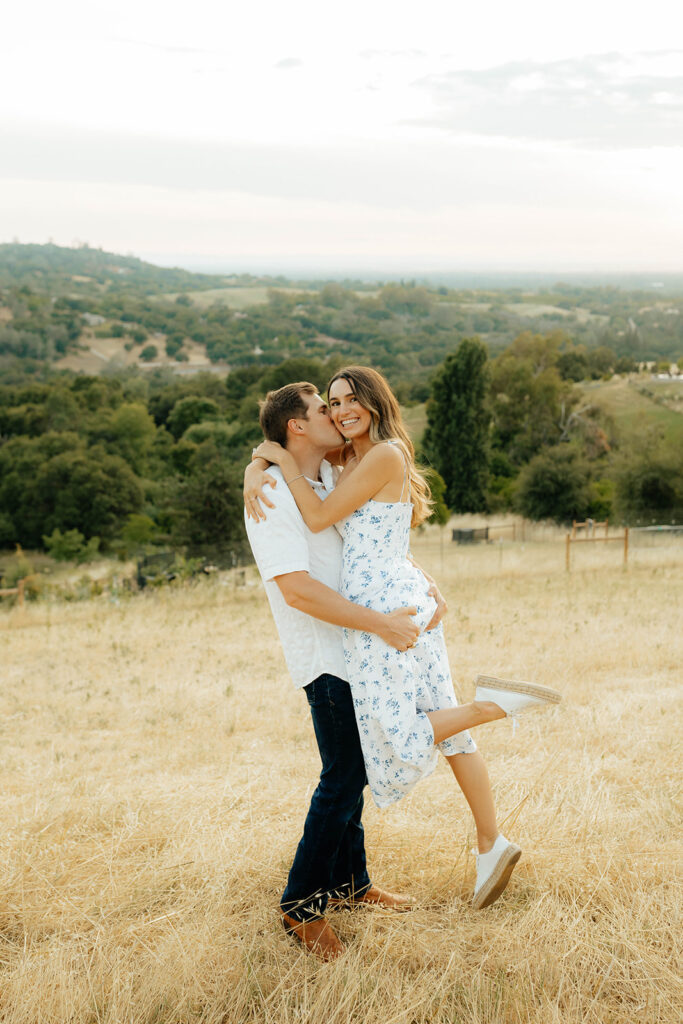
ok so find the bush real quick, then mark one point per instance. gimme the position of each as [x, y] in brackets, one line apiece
[18, 569]
[649, 484]
[71, 546]
[554, 485]
[601, 497]
[139, 530]
[149, 353]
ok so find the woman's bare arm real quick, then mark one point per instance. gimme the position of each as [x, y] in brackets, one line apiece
[382, 465]
[255, 479]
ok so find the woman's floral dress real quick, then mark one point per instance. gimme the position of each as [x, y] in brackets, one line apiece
[391, 689]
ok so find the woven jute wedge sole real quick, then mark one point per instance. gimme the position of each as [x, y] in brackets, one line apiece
[532, 689]
[494, 886]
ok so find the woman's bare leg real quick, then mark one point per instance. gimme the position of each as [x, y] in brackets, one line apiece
[448, 721]
[473, 778]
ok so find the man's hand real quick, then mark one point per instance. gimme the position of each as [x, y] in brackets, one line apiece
[441, 607]
[399, 629]
[255, 480]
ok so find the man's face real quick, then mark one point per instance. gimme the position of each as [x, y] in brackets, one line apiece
[319, 428]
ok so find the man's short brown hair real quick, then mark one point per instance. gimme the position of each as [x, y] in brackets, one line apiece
[279, 407]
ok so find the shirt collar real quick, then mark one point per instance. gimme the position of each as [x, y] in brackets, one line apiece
[326, 475]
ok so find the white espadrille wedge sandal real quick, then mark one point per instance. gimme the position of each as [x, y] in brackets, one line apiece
[493, 871]
[515, 697]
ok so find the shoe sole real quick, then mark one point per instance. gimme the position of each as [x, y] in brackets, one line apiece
[531, 689]
[492, 889]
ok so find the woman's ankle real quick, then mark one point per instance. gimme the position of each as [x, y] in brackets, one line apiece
[485, 841]
[488, 710]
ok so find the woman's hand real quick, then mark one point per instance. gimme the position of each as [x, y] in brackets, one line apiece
[271, 451]
[441, 607]
[255, 480]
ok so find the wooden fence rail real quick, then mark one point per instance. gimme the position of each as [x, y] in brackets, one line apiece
[594, 540]
[590, 526]
[18, 590]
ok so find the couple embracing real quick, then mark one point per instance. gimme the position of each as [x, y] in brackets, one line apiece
[330, 499]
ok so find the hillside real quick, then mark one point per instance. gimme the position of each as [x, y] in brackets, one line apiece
[87, 310]
[85, 271]
[639, 406]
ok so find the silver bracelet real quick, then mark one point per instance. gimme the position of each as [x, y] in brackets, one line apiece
[288, 482]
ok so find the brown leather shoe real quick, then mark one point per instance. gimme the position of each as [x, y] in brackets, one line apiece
[316, 936]
[377, 898]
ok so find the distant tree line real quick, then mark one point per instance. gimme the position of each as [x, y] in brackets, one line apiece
[131, 462]
[514, 434]
[50, 296]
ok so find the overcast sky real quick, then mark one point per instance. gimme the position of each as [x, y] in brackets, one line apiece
[364, 135]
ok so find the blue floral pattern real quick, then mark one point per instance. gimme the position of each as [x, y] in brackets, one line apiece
[391, 689]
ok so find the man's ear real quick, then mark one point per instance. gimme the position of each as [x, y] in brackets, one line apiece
[295, 426]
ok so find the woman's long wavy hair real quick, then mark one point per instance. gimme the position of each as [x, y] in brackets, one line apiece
[375, 395]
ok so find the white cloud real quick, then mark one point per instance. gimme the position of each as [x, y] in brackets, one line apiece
[288, 62]
[302, 127]
[606, 100]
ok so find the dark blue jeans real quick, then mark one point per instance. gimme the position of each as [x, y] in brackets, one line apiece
[330, 859]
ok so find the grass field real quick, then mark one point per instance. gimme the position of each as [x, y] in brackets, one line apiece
[634, 413]
[158, 764]
[236, 297]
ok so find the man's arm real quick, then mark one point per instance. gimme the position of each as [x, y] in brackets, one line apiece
[307, 595]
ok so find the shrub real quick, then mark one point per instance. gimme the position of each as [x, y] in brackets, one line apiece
[18, 569]
[554, 485]
[71, 546]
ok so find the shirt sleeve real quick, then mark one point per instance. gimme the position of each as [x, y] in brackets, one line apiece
[279, 543]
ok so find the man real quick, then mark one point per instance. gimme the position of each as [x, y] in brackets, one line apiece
[301, 572]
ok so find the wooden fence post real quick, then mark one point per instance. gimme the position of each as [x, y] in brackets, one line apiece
[20, 593]
[569, 543]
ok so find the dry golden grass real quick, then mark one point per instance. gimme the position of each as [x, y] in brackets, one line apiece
[157, 765]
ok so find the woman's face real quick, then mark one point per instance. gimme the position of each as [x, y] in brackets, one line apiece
[349, 417]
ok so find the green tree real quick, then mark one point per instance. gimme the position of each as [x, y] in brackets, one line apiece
[209, 506]
[649, 483]
[71, 546]
[131, 432]
[440, 512]
[554, 485]
[528, 397]
[455, 441]
[88, 491]
[138, 530]
[189, 410]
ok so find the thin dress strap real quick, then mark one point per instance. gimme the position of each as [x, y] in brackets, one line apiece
[406, 479]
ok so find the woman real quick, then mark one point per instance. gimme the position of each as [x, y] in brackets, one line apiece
[404, 701]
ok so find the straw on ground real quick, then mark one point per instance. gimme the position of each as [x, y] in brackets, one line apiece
[158, 763]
